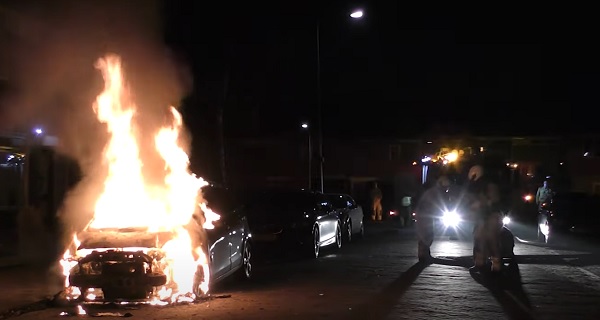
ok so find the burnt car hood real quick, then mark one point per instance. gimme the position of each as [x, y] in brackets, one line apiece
[122, 238]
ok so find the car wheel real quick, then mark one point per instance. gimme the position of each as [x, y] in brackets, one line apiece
[316, 242]
[247, 271]
[361, 232]
[349, 231]
[338, 236]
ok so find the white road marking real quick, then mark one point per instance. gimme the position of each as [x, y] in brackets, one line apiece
[588, 273]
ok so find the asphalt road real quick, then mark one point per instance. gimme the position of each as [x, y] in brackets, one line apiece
[379, 278]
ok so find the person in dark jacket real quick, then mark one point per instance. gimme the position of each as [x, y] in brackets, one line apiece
[485, 204]
[428, 208]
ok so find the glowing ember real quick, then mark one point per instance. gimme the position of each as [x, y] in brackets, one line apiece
[129, 201]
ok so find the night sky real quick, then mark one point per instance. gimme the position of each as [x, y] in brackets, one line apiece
[399, 71]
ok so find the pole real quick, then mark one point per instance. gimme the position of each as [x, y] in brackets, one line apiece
[221, 111]
[309, 162]
[319, 116]
[24, 239]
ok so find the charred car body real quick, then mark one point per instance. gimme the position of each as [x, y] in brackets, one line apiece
[119, 264]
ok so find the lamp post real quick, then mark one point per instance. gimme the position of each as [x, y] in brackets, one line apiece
[305, 126]
[354, 15]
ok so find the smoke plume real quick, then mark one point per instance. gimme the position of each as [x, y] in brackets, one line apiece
[50, 55]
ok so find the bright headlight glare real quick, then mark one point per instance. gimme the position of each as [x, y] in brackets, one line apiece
[506, 220]
[451, 219]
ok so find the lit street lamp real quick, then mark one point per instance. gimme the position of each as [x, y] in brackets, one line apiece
[355, 15]
[304, 126]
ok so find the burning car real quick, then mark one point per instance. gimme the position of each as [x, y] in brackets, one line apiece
[153, 234]
[113, 264]
[133, 264]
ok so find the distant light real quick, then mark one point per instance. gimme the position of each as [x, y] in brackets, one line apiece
[451, 157]
[414, 163]
[38, 131]
[586, 154]
[512, 165]
[561, 163]
[304, 125]
[426, 159]
[356, 14]
[429, 142]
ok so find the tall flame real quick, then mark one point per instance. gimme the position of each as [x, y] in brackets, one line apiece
[128, 200]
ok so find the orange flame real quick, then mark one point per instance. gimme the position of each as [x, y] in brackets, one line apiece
[129, 201]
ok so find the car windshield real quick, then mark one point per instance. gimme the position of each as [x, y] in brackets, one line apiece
[338, 201]
[284, 201]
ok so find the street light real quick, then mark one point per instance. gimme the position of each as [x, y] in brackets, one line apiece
[355, 15]
[305, 126]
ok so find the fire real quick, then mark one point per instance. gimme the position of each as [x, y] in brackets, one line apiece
[129, 201]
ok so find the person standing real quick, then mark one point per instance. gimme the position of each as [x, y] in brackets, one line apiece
[376, 196]
[428, 208]
[543, 194]
[485, 204]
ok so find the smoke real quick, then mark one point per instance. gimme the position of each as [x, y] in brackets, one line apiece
[51, 53]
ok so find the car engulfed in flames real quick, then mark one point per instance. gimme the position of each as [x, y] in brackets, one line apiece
[131, 265]
[144, 240]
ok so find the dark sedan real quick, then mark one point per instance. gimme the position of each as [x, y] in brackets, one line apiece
[230, 246]
[294, 217]
[350, 213]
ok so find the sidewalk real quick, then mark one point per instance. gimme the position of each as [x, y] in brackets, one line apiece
[26, 284]
[34, 274]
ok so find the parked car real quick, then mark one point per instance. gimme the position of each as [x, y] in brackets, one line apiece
[230, 243]
[350, 214]
[131, 263]
[293, 218]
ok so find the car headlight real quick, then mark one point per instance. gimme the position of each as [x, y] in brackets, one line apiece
[451, 218]
[506, 220]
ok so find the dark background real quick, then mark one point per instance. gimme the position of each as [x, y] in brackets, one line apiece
[400, 71]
